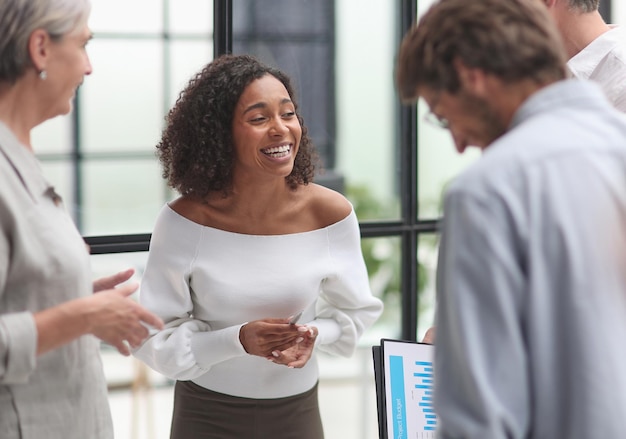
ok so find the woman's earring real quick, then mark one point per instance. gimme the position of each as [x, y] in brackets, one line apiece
[43, 75]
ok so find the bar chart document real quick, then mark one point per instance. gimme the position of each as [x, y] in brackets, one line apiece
[407, 380]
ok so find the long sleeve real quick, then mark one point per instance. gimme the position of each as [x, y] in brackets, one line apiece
[179, 351]
[531, 279]
[480, 365]
[346, 307]
[18, 342]
[18, 334]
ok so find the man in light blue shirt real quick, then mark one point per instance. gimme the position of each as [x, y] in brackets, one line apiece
[531, 317]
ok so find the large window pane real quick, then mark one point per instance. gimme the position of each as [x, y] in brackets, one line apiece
[187, 57]
[122, 102]
[191, 16]
[382, 257]
[427, 253]
[53, 136]
[129, 16]
[121, 197]
[618, 10]
[367, 151]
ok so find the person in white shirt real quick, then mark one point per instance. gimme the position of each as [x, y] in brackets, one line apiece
[596, 50]
[250, 243]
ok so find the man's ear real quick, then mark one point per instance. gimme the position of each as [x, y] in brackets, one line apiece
[472, 79]
[39, 48]
[549, 3]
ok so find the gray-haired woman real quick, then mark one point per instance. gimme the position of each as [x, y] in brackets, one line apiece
[51, 379]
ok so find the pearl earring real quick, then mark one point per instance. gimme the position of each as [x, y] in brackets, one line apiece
[43, 75]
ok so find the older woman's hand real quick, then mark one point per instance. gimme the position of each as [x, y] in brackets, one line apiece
[109, 282]
[116, 319]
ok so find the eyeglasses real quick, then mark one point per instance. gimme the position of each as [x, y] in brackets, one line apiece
[439, 122]
[431, 118]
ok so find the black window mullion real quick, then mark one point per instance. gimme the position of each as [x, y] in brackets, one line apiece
[408, 195]
[223, 27]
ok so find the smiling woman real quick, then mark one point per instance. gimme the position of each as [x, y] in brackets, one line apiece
[251, 242]
[266, 130]
[194, 162]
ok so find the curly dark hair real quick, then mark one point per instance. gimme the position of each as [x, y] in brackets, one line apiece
[196, 148]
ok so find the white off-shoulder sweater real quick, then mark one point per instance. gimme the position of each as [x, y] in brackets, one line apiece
[205, 283]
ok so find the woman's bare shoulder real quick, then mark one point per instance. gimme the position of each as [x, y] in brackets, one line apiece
[188, 207]
[328, 205]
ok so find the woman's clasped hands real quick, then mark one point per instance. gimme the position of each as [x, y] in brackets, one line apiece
[279, 341]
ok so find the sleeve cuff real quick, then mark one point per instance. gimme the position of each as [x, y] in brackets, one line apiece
[224, 344]
[328, 331]
[18, 358]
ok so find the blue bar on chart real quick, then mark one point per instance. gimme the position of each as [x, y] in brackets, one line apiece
[424, 384]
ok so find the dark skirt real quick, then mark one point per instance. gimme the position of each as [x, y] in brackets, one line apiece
[200, 413]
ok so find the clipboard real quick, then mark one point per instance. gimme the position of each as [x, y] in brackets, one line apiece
[403, 373]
